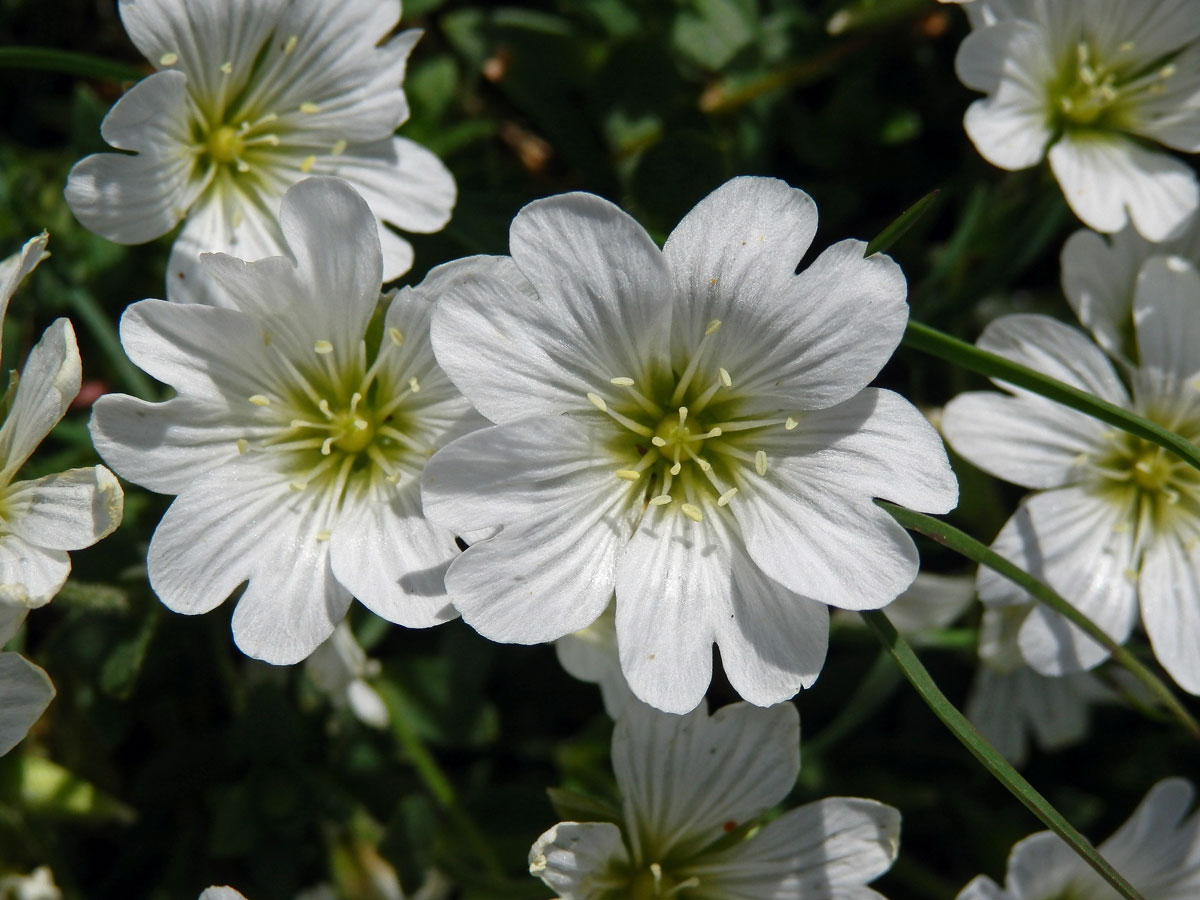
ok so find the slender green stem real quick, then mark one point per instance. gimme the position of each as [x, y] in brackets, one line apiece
[962, 729]
[100, 324]
[937, 343]
[436, 780]
[49, 59]
[962, 543]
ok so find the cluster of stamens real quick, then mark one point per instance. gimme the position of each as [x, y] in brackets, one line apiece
[689, 444]
[652, 883]
[240, 137]
[1094, 93]
[338, 418]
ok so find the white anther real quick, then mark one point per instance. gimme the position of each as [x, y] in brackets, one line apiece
[309, 108]
[327, 446]
[712, 327]
[1166, 71]
[1126, 47]
[291, 43]
[760, 462]
[324, 535]
[168, 59]
[297, 485]
[397, 336]
[724, 499]
[362, 424]
[790, 423]
[323, 347]
[692, 512]
[660, 500]
[325, 409]
[621, 381]
[725, 379]
[307, 164]
[658, 442]
[260, 400]
[683, 414]
[241, 165]
[242, 445]
[704, 464]
[597, 401]
[227, 68]
[676, 469]
[628, 474]
[414, 385]
[338, 148]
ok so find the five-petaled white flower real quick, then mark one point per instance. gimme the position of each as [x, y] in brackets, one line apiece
[40, 520]
[692, 790]
[1093, 85]
[303, 416]
[250, 97]
[1116, 519]
[1157, 849]
[690, 427]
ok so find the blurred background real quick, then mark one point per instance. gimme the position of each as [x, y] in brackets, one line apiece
[169, 761]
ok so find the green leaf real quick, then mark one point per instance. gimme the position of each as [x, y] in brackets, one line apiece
[983, 751]
[45, 788]
[67, 62]
[713, 32]
[884, 240]
[965, 545]
[937, 343]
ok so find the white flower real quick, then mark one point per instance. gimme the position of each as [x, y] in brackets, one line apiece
[1116, 520]
[221, 893]
[931, 602]
[690, 427]
[37, 885]
[1093, 85]
[40, 520]
[250, 97]
[1011, 704]
[25, 689]
[340, 669]
[301, 421]
[1099, 278]
[1157, 849]
[590, 654]
[692, 790]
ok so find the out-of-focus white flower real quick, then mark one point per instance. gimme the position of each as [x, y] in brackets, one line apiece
[37, 885]
[1011, 704]
[1099, 278]
[1115, 521]
[40, 520]
[931, 602]
[986, 12]
[590, 654]
[692, 790]
[303, 416]
[1157, 850]
[221, 893]
[690, 427]
[1094, 85]
[340, 668]
[250, 97]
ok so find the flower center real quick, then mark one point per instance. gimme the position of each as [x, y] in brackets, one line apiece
[225, 145]
[338, 420]
[684, 434]
[652, 884]
[1095, 93]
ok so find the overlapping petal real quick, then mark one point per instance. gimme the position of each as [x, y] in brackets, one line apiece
[25, 692]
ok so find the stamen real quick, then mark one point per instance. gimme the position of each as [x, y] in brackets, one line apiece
[597, 401]
[309, 108]
[686, 378]
[338, 148]
[692, 512]
[747, 424]
[396, 335]
[291, 43]
[726, 380]
[323, 406]
[622, 381]
[327, 446]
[260, 400]
[168, 59]
[660, 500]
[629, 474]
[790, 424]
[413, 384]
[760, 462]
[227, 68]
[307, 164]
[636, 427]
[712, 327]
[406, 440]
[242, 445]
[683, 414]
[724, 499]
[658, 442]
[323, 347]
[643, 401]
[324, 534]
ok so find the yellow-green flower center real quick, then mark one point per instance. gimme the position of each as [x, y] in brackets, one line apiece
[685, 437]
[1096, 92]
[225, 144]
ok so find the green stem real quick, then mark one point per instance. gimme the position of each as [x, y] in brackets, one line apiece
[983, 751]
[100, 324]
[962, 543]
[437, 782]
[83, 64]
[937, 343]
